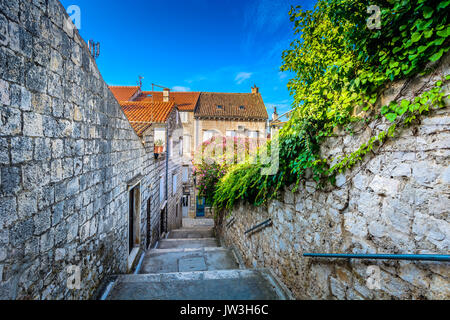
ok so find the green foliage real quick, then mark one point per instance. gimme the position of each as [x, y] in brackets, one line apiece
[404, 112]
[339, 63]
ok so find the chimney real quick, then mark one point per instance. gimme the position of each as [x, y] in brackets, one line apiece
[166, 93]
[274, 114]
[255, 89]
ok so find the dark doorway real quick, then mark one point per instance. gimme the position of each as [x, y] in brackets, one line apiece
[163, 221]
[131, 221]
[149, 227]
[134, 236]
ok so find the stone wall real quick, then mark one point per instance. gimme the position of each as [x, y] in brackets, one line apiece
[188, 131]
[67, 152]
[396, 201]
[174, 195]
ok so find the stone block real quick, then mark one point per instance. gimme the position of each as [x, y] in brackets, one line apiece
[337, 288]
[35, 175]
[56, 170]
[10, 180]
[384, 186]
[27, 204]
[47, 241]
[355, 224]
[60, 254]
[4, 90]
[8, 211]
[4, 151]
[32, 124]
[425, 172]
[36, 79]
[10, 121]
[21, 232]
[57, 148]
[42, 222]
[42, 149]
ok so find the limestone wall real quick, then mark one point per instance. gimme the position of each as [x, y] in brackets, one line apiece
[174, 168]
[396, 201]
[66, 154]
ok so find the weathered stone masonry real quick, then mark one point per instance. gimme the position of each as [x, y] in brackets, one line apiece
[396, 201]
[67, 152]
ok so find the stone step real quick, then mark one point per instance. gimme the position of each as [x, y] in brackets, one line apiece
[187, 243]
[189, 233]
[182, 260]
[196, 222]
[255, 284]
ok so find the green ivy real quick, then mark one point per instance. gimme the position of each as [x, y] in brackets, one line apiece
[339, 63]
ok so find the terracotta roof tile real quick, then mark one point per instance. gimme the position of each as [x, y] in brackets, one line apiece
[185, 101]
[123, 93]
[142, 114]
[246, 106]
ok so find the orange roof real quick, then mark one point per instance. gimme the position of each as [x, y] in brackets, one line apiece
[246, 106]
[185, 101]
[142, 114]
[123, 93]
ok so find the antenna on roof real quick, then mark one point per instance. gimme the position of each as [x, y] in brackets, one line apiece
[140, 81]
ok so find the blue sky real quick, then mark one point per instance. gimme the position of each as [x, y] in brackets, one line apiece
[194, 45]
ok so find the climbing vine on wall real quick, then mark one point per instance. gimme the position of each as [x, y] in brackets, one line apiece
[341, 62]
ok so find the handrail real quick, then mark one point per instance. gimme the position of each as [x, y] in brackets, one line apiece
[229, 222]
[267, 222]
[423, 257]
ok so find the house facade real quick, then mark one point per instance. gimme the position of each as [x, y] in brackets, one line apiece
[227, 115]
[202, 115]
[186, 103]
[157, 121]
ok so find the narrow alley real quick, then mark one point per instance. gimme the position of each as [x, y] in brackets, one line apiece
[190, 264]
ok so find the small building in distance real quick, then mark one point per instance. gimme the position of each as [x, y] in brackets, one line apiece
[202, 116]
[158, 125]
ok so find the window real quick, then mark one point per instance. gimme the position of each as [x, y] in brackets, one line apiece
[187, 144]
[241, 107]
[174, 183]
[184, 117]
[220, 107]
[170, 147]
[208, 135]
[161, 190]
[253, 134]
[180, 147]
[160, 134]
[231, 133]
[185, 174]
[176, 115]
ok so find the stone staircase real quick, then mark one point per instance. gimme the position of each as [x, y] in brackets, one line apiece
[190, 265]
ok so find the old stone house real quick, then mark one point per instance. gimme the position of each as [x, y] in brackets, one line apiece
[186, 103]
[80, 187]
[207, 114]
[161, 121]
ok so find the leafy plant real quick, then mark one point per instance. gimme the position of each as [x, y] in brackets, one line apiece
[341, 65]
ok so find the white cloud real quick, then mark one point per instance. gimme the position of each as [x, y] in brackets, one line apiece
[242, 76]
[181, 88]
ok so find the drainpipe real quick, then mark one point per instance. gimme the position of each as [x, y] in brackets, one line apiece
[167, 165]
